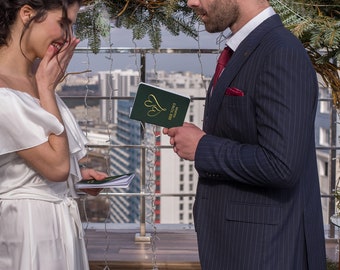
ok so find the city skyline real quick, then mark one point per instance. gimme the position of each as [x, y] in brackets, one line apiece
[164, 171]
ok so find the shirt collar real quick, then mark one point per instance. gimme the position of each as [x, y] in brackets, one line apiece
[234, 40]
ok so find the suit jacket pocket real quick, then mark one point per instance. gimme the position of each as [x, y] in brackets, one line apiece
[233, 91]
[236, 119]
[252, 213]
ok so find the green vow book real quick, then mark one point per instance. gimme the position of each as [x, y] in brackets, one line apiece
[155, 105]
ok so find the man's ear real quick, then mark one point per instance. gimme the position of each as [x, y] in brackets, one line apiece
[26, 13]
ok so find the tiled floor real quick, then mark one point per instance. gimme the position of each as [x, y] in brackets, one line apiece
[175, 247]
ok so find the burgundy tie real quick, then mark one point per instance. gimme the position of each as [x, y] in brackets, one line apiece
[221, 63]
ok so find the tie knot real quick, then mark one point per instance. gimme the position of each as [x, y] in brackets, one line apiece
[222, 62]
[225, 56]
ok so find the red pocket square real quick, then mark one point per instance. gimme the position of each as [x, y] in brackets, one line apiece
[233, 91]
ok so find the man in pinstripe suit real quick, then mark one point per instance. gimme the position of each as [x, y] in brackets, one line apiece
[258, 199]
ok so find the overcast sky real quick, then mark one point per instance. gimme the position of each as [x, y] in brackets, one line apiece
[120, 37]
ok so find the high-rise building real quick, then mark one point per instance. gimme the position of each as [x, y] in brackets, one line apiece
[114, 84]
[327, 134]
[164, 172]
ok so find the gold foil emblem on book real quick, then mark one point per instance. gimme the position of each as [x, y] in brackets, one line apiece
[153, 104]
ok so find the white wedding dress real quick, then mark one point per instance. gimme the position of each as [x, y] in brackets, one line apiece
[40, 226]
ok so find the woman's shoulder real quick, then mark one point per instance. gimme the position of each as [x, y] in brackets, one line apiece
[12, 101]
[13, 84]
[8, 93]
[3, 83]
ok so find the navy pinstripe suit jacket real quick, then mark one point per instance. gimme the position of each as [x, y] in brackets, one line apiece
[258, 198]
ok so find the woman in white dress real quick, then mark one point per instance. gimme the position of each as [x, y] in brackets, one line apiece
[40, 142]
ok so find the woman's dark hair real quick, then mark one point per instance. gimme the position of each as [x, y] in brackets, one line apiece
[9, 10]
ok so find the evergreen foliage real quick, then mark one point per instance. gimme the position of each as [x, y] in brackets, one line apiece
[332, 265]
[315, 22]
[93, 24]
[144, 18]
[317, 25]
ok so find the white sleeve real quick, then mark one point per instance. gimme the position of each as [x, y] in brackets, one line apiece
[77, 143]
[23, 122]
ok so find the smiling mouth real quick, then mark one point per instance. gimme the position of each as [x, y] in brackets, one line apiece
[57, 45]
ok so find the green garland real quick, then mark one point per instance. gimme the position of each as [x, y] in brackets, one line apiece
[314, 22]
[144, 18]
[317, 25]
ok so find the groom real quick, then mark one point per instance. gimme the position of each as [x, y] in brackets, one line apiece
[258, 199]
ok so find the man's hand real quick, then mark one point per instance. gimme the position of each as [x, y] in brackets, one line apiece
[185, 139]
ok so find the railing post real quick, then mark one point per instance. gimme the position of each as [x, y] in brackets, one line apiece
[332, 175]
[142, 236]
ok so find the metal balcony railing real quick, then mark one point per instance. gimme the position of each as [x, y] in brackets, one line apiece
[143, 52]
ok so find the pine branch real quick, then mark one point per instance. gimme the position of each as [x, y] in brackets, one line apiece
[320, 34]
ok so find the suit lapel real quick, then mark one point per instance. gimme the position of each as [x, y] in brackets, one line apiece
[236, 62]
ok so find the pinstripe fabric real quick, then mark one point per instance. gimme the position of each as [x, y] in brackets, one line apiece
[258, 199]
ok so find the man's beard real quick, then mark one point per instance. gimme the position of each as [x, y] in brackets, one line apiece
[221, 19]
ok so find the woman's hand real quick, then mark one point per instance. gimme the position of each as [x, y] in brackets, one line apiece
[53, 65]
[87, 173]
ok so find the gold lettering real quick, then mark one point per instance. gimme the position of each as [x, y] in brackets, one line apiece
[153, 104]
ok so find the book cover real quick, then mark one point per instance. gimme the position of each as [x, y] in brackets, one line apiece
[115, 181]
[158, 106]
